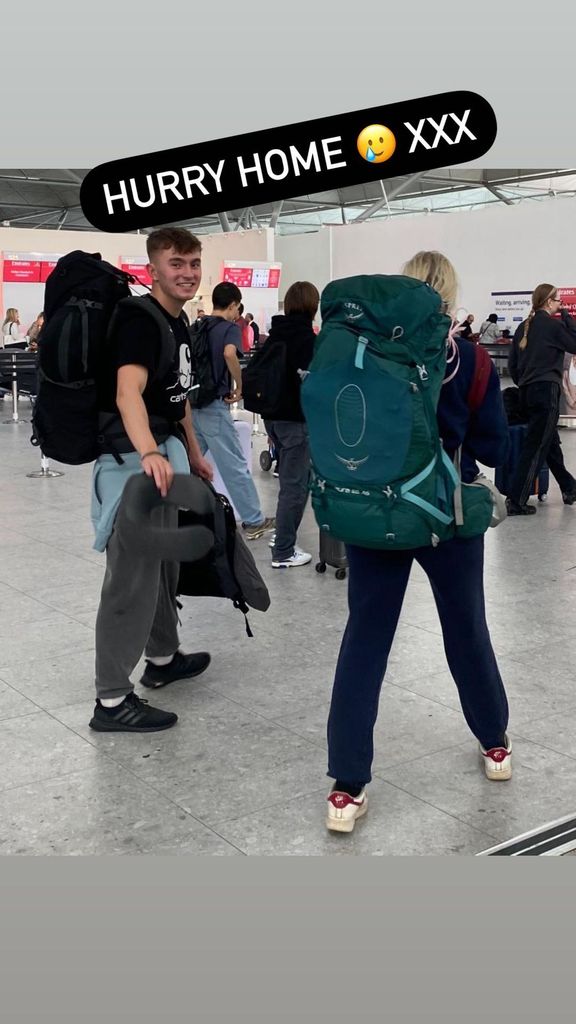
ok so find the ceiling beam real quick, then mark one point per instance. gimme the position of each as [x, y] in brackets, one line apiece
[276, 211]
[395, 191]
[224, 222]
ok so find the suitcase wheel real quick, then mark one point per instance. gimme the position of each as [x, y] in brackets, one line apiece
[321, 567]
[265, 461]
[340, 574]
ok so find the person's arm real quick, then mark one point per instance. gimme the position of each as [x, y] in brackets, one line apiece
[566, 332]
[487, 438]
[513, 356]
[198, 463]
[231, 360]
[131, 383]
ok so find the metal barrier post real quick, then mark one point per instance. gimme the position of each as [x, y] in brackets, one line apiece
[45, 471]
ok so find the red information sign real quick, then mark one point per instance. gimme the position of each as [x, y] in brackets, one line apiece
[568, 296]
[274, 277]
[138, 270]
[46, 268]
[240, 276]
[22, 271]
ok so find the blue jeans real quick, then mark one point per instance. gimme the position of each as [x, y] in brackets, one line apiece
[215, 430]
[377, 584]
[293, 454]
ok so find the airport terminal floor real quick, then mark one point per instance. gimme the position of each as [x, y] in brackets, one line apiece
[243, 772]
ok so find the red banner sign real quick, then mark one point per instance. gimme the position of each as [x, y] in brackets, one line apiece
[274, 277]
[138, 270]
[46, 268]
[22, 271]
[240, 276]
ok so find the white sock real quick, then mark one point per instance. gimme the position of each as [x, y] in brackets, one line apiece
[111, 702]
[160, 662]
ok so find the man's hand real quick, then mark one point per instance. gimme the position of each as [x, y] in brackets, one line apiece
[201, 467]
[160, 469]
[234, 396]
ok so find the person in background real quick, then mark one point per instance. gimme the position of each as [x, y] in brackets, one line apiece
[288, 430]
[34, 331]
[255, 329]
[465, 328]
[536, 364]
[455, 570]
[246, 332]
[213, 423]
[489, 330]
[11, 326]
[200, 315]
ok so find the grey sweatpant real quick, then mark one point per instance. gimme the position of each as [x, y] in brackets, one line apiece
[137, 613]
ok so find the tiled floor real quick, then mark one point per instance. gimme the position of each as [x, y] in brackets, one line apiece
[244, 770]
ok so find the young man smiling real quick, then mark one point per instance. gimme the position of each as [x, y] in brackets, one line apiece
[138, 602]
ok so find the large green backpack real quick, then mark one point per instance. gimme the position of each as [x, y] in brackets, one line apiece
[380, 478]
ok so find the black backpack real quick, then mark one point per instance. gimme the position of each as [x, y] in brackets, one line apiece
[84, 296]
[264, 380]
[220, 563]
[204, 388]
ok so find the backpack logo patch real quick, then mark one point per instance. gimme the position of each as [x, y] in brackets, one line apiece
[352, 464]
[353, 311]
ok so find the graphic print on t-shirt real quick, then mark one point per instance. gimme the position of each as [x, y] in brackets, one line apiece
[184, 378]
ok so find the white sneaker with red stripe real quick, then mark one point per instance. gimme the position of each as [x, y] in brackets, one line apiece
[343, 810]
[498, 762]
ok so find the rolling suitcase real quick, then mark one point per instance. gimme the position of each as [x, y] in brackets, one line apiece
[504, 474]
[332, 552]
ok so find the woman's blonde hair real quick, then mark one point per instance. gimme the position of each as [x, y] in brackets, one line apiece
[540, 296]
[11, 316]
[436, 270]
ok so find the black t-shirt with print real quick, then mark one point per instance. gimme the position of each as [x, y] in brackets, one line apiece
[138, 341]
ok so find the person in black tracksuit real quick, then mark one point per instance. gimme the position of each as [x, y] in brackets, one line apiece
[455, 569]
[536, 363]
[288, 430]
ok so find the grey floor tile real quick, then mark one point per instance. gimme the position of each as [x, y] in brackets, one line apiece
[542, 788]
[58, 635]
[53, 681]
[557, 732]
[13, 704]
[395, 824]
[99, 811]
[35, 747]
[217, 761]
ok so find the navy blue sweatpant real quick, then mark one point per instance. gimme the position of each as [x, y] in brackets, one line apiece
[376, 588]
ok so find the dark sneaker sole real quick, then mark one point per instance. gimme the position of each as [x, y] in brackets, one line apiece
[151, 684]
[99, 726]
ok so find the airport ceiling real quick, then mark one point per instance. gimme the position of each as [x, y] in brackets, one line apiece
[50, 199]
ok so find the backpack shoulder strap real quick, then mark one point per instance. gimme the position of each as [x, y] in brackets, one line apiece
[139, 303]
[480, 378]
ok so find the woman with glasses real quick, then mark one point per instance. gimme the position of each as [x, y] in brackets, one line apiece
[536, 364]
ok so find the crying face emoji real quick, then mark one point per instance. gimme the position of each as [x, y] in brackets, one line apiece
[376, 143]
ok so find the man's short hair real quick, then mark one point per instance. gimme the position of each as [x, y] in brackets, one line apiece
[180, 239]
[224, 294]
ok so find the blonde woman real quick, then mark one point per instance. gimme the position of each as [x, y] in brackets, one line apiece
[536, 364]
[378, 581]
[11, 326]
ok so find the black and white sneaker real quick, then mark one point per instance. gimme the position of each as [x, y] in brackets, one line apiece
[132, 715]
[182, 666]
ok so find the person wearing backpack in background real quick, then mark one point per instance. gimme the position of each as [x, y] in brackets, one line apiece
[489, 331]
[213, 422]
[138, 606]
[536, 363]
[288, 430]
[378, 581]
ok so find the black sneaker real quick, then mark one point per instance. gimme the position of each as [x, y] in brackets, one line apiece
[519, 510]
[132, 715]
[569, 497]
[182, 666]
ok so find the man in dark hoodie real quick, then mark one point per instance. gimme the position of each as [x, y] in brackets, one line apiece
[288, 429]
